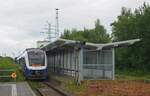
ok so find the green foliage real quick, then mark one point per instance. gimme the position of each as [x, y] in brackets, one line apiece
[7, 63]
[36, 84]
[131, 25]
[95, 35]
[69, 84]
[72, 87]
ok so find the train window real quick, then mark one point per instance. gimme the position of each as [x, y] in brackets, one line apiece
[36, 58]
[22, 61]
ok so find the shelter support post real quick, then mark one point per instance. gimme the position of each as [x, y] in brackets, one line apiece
[113, 64]
[80, 61]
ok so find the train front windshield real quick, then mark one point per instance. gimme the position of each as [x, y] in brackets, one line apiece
[36, 58]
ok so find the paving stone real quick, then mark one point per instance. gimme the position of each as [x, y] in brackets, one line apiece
[16, 89]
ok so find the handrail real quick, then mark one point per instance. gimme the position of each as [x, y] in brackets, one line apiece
[7, 69]
[7, 73]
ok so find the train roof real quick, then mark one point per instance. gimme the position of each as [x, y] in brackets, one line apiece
[28, 49]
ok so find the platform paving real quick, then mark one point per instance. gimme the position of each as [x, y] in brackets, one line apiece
[16, 89]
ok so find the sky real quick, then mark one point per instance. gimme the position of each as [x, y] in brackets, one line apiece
[22, 21]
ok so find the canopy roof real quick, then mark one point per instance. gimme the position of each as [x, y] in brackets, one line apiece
[61, 43]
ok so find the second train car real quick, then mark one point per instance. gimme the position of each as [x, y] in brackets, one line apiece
[34, 63]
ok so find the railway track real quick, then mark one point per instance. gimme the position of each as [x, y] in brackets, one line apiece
[51, 90]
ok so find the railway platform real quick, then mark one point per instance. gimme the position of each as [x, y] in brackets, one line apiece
[16, 89]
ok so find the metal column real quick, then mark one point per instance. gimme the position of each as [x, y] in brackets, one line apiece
[80, 61]
[113, 64]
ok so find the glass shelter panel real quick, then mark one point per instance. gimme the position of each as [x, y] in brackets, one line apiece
[97, 64]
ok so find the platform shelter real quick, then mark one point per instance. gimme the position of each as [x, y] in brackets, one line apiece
[83, 60]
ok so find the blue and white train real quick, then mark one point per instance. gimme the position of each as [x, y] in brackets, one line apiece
[34, 63]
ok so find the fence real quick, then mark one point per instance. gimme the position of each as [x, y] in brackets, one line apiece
[7, 75]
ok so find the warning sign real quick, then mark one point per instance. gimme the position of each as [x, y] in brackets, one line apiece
[13, 75]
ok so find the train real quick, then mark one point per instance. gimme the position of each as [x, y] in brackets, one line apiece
[33, 62]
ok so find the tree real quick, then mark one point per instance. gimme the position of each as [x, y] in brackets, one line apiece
[100, 33]
[131, 25]
[66, 34]
[95, 35]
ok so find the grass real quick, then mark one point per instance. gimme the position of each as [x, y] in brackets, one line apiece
[7, 63]
[36, 84]
[132, 75]
[70, 85]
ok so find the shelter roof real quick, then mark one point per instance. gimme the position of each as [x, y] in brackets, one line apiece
[61, 43]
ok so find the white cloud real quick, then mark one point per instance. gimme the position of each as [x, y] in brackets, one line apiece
[21, 21]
